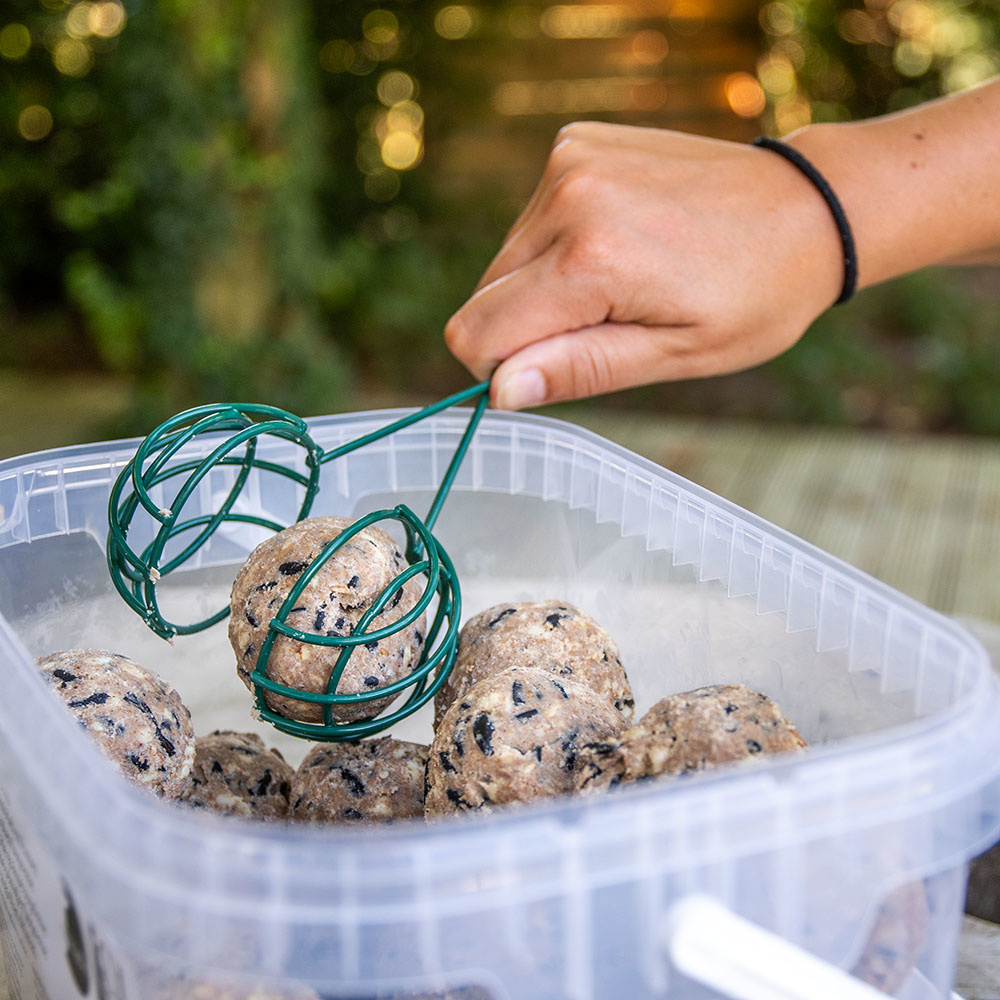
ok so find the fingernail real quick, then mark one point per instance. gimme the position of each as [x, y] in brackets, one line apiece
[522, 389]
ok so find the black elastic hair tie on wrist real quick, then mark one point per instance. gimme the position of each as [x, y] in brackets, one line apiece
[837, 210]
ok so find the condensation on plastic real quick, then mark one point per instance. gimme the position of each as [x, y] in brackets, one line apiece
[562, 899]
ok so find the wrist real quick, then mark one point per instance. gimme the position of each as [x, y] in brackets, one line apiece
[807, 248]
[835, 149]
[822, 186]
[919, 186]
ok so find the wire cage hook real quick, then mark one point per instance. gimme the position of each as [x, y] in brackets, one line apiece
[163, 463]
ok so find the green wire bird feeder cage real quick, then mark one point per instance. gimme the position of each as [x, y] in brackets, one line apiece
[168, 463]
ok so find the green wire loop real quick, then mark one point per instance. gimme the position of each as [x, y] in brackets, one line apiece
[136, 570]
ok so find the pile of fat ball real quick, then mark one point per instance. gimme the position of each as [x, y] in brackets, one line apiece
[538, 703]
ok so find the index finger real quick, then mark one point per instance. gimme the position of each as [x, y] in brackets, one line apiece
[545, 297]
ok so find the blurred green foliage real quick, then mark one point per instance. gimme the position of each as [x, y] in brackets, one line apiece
[171, 209]
[919, 352]
[915, 354]
[826, 60]
[238, 200]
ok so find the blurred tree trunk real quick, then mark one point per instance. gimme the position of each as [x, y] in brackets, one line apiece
[238, 290]
[221, 105]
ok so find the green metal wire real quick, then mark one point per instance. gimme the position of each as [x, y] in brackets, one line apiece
[136, 573]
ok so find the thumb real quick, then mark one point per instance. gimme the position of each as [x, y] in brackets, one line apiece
[595, 360]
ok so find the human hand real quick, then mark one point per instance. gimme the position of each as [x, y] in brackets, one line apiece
[648, 256]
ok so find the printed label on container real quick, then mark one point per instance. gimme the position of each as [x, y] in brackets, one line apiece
[51, 950]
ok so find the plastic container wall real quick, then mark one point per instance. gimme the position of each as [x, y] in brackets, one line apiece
[855, 851]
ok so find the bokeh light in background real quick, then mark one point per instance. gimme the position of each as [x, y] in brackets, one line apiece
[455, 21]
[15, 41]
[745, 95]
[34, 122]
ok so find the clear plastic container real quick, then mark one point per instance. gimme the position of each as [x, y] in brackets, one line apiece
[856, 851]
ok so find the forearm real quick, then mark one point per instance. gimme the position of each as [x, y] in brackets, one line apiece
[921, 187]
